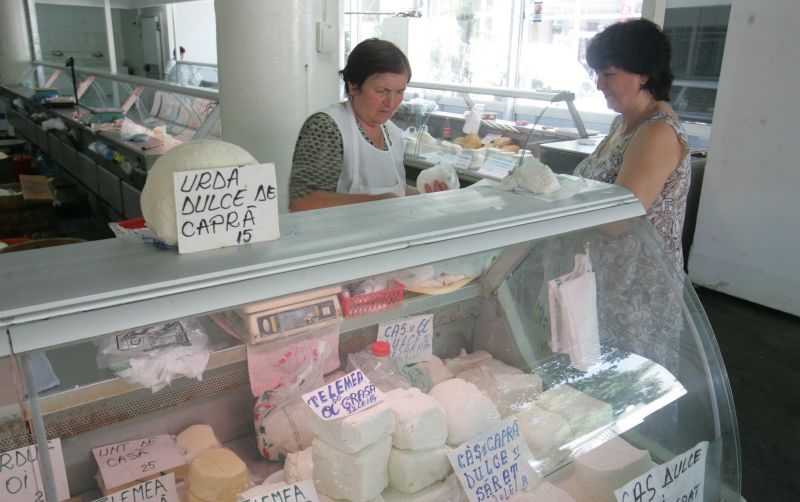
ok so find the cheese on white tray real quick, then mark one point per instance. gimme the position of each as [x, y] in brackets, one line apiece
[411, 471]
[217, 474]
[158, 195]
[466, 361]
[356, 477]
[436, 370]
[420, 423]
[354, 432]
[546, 492]
[546, 433]
[610, 466]
[298, 466]
[584, 413]
[197, 438]
[468, 410]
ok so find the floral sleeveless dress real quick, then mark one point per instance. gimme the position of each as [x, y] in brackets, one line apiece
[639, 305]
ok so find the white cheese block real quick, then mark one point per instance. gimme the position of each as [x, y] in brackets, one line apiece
[354, 432]
[197, 438]
[610, 466]
[411, 471]
[509, 388]
[298, 466]
[468, 410]
[355, 477]
[466, 361]
[546, 492]
[217, 474]
[420, 423]
[436, 369]
[158, 194]
[450, 490]
[546, 434]
[584, 413]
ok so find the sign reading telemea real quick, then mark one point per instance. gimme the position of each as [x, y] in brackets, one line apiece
[225, 206]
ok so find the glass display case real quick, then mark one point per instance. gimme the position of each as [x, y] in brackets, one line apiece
[107, 157]
[491, 268]
[482, 131]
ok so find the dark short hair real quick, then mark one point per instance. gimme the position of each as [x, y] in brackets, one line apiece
[638, 46]
[371, 57]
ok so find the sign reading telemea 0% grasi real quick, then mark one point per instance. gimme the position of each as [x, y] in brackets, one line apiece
[343, 397]
[410, 338]
[225, 206]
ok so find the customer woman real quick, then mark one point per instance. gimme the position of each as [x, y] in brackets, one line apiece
[351, 152]
[646, 149]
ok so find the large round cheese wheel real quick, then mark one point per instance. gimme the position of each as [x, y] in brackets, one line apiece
[158, 195]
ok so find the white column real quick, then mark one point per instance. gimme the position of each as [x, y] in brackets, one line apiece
[271, 76]
[15, 48]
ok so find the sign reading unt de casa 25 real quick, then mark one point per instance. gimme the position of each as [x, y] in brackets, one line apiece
[225, 206]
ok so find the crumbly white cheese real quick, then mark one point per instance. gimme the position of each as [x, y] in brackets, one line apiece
[420, 423]
[468, 410]
[357, 477]
[584, 413]
[354, 432]
[436, 370]
[509, 388]
[197, 438]
[609, 466]
[546, 434]
[466, 361]
[217, 474]
[411, 471]
[158, 194]
[298, 466]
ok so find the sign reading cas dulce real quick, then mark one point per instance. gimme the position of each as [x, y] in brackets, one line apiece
[302, 491]
[160, 489]
[122, 463]
[343, 397]
[21, 479]
[495, 464]
[410, 338]
[226, 206]
[681, 479]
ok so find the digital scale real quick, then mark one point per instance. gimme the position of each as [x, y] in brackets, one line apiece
[284, 317]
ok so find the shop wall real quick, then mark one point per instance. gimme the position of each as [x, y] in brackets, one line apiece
[748, 232]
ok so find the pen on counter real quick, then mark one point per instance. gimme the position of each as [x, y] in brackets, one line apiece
[150, 147]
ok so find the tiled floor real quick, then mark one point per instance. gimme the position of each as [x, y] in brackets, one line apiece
[760, 347]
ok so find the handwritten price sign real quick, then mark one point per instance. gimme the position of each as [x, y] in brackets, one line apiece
[154, 490]
[411, 338]
[302, 491]
[121, 463]
[343, 397]
[20, 478]
[494, 465]
[681, 479]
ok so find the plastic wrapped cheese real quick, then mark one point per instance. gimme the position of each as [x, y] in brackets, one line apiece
[217, 474]
[354, 432]
[420, 422]
[532, 176]
[468, 410]
[609, 466]
[158, 194]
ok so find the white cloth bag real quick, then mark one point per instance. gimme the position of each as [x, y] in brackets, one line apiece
[574, 327]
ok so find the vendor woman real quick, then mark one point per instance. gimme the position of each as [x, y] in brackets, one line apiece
[351, 152]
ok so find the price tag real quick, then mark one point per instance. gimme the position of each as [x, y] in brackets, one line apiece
[302, 491]
[463, 160]
[411, 338]
[494, 465]
[343, 397]
[21, 479]
[497, 167]
[157, 490]
[122, 463]
[680, 479]
[226, 206]
[448, 158]
[432, 157]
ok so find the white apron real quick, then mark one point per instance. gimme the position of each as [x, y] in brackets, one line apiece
[367, 169]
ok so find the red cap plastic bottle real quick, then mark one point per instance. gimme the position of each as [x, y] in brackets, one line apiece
[381, 349]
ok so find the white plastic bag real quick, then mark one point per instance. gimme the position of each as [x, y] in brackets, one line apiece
[443, 173]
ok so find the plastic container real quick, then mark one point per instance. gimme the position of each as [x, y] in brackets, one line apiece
[370, 303]
[378, 366]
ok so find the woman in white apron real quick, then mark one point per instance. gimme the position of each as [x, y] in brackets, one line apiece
[351, 152]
